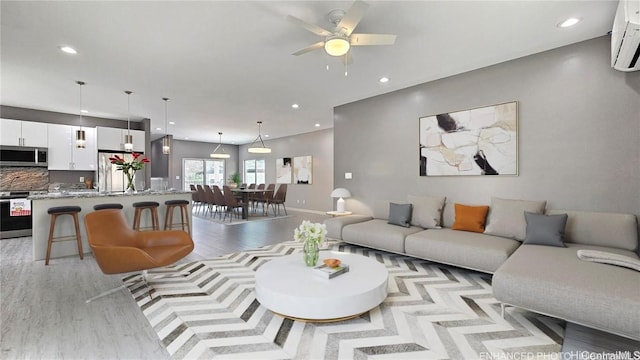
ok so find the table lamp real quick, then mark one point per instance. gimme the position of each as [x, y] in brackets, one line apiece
[340, 193]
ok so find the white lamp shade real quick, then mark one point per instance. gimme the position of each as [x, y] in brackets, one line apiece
[340, 193]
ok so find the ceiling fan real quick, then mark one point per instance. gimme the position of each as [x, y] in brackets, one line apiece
[338, 42]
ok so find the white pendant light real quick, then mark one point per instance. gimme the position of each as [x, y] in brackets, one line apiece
[81, 141]
[128, 139]
[222, 154]
[166, 142]
[259, 149]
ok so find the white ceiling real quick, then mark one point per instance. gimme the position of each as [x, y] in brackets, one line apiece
[226, 65]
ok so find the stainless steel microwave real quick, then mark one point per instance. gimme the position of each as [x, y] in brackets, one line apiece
[23, 156]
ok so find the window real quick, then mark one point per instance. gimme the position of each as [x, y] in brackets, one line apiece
[202, 172]
[254, 171]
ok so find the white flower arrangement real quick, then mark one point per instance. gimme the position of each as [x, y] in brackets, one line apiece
[310, 231]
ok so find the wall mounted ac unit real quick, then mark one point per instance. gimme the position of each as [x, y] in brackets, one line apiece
[625, 36]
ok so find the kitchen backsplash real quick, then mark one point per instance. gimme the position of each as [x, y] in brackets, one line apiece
[24, 178]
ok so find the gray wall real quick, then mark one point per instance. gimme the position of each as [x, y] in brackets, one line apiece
[579, 134]
[318, 144]
[181, 149]
[160, 163]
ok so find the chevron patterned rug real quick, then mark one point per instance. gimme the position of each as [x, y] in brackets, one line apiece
[433, 311]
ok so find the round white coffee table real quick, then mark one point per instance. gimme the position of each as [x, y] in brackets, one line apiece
[288, 287]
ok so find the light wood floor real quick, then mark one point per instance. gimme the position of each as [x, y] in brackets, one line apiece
[43, 309]
[44, 314]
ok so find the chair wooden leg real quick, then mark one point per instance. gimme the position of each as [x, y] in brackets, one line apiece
[184, 216]
[155, 222]
[167, 222]
[51, 227]
[78, 236]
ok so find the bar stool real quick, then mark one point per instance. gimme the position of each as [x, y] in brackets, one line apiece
[184, 214]
[108, 206]
[59, 211]
[152, 206]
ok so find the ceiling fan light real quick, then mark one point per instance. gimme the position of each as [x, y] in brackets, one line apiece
[337, 46]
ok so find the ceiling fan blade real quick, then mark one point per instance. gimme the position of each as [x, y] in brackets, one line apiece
[318, 45]
[372, 39]
[353, 17]
[313, 28]
[347, 59]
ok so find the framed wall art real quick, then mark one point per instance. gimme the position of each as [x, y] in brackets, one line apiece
[284, 172]
[481, 141]
[302, 170]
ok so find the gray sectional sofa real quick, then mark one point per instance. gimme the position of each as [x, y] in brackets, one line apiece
[550, 280]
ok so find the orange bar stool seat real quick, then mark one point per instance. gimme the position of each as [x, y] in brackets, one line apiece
[59, 211]
[152, 206]
[184, 215]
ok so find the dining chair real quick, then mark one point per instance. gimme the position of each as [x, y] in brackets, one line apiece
[231, 203]
[201, 196]
[209, 199]
[218, 199]
[267, 195]
[278, 199]
[255, 198]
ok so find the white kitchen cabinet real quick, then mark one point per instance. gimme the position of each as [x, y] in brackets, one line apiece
[112, 139]
[23, 133]
[63, 155]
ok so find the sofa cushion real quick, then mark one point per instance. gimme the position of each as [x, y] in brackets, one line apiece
[400, 214]
[427, 211]
[465, 249]
[553, 281]
[378, 234]
[336, 224]
[470, 218]
[601, 229]
[545, 229]
[506, 217]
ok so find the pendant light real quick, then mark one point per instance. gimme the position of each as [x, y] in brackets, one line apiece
[166, 143]
[81, 141]
[259, 149]
[128, 139]
[222, 154]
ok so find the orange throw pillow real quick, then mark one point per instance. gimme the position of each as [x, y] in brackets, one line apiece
[470, 218]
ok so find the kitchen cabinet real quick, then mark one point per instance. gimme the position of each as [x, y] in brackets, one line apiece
[112, 139]
[63, 155]
[23, 133]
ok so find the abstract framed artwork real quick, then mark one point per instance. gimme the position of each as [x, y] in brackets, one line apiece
[302, 170]
[283, 171]
[481, 141]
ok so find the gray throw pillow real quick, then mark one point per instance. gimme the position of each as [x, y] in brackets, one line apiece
[545, 229]
[427, 211]
[400, 214]
[506, 217]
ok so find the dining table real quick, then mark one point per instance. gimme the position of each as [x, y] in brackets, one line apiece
[244, 193]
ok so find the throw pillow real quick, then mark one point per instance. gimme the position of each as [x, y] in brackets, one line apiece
[506, 218]
[545, 229]
[400, 214]
[470, 218]
[427, 211]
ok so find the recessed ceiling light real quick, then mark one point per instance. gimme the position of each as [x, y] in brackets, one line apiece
[158, 129]
[84, 111]
[569, 22]
[172, 122]
[383, 80]
[68, 50]
[186, 138]
[266, 135]
[317, 125]
[295, 106]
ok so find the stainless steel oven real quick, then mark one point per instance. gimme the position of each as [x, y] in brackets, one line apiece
[13, 225]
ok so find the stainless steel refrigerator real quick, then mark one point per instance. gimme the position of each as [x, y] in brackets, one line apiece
[112, 180]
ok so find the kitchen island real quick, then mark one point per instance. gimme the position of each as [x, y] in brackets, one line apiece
[86, 200]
